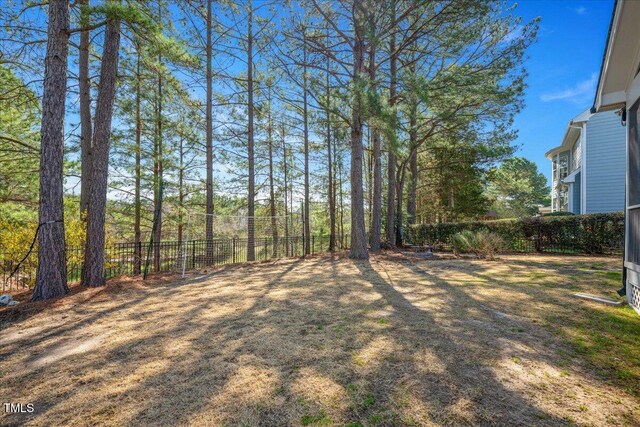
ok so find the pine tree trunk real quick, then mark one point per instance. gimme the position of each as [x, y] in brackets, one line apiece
[251, 253]
[84, 86]
[391, 198]
[413, 187]
[369, 176]
[413, 161]
[341, 195]
[157, 229]
[272, 192]
[307, 220]
[51, 276]
[292, 226]
[376, 202]
[209, 143]
[391, 160]
[93, 273]
[137, 254]
[286, 192]
[330, 181]
[337, 187]
[358, 232]
[399, 197]
[180, 194]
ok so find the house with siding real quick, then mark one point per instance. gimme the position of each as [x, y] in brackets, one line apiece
[619, 90]
[586, 168]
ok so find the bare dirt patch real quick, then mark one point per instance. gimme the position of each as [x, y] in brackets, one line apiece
[396, 340]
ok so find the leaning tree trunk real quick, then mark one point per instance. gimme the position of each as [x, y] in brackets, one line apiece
[93, 267]
[84, 85]
[358, 232]
[51, 276]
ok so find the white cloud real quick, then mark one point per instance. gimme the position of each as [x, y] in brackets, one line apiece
[580, 10]
[582, 92]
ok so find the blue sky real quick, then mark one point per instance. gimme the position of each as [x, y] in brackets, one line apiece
[563, 70]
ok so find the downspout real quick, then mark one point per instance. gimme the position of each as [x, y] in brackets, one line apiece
[623, 290]
[553, 185]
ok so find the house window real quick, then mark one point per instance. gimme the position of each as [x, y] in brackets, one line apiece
[563, 199]
[560, 190]
[576, 155]
[563, 165]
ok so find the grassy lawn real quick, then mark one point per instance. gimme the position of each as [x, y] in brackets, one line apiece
[328, 341]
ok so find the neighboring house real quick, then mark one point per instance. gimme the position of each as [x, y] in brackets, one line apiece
[586, 169]
[619, 89]
[544, 210]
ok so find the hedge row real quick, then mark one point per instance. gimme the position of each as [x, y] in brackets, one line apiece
[591, 234]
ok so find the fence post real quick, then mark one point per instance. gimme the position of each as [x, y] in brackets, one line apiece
[234, 250]
[313, 244]
[138, 258]
[193, 254]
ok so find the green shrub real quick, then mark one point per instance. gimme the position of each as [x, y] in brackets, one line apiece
[592, 234]
[559, 214]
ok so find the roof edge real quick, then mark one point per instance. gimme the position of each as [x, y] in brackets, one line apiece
[580, 118]
[616, 3]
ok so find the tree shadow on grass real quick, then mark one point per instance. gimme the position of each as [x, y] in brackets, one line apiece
[548, 311]
[319, 341]
[464, 391]
[466, 362]
[180, 380]
[593, 335]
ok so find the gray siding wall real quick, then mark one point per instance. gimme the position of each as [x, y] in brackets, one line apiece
[605, 172]
[576, 193]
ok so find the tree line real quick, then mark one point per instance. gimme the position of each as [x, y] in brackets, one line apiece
[361, 116]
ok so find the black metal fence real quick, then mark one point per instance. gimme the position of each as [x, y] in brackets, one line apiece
[537, 244]
[579, 234]
[131, 258]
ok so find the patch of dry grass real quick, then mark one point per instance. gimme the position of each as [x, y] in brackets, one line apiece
[329, 341]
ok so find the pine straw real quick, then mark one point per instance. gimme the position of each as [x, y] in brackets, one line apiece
[396, 340]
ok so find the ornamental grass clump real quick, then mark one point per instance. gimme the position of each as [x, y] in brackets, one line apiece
[484, 244]
[463, 242]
